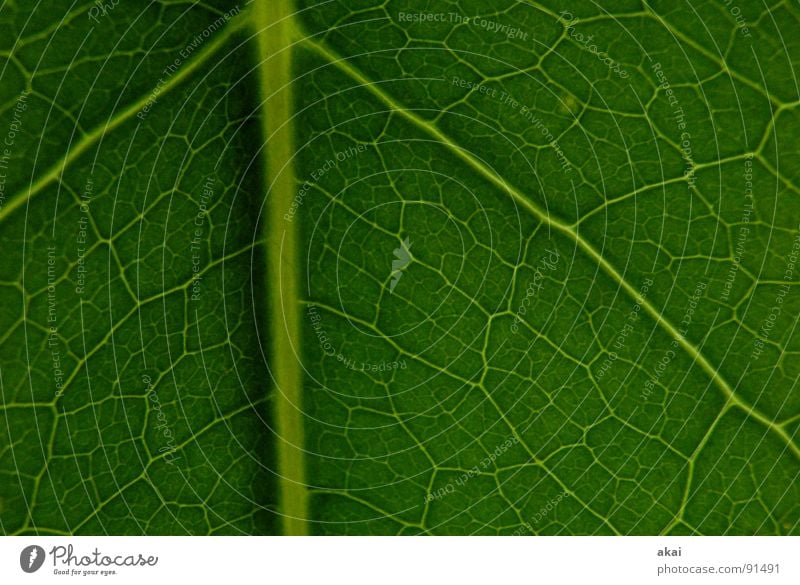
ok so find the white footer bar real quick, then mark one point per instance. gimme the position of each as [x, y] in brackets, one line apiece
[400, 560]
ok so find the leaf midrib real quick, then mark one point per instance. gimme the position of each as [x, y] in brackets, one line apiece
[273, 23]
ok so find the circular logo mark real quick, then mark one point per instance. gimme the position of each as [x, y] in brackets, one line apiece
[31, 558]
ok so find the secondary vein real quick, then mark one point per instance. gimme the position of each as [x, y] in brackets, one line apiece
[97, 134]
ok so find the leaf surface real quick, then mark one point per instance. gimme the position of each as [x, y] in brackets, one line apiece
[372, 268]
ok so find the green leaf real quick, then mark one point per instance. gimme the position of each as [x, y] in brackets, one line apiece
[391, 268]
